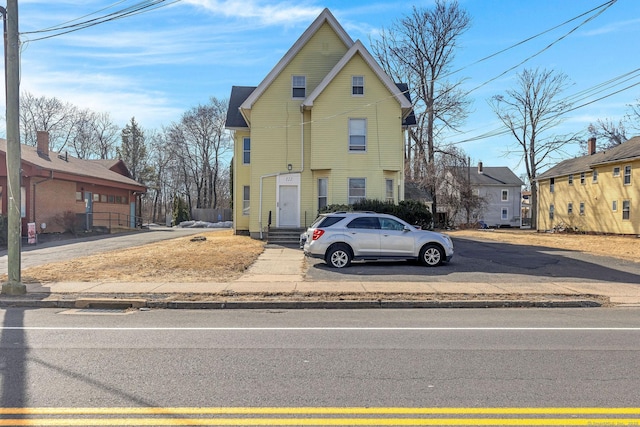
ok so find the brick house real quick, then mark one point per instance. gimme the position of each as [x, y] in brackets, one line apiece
[58, 189]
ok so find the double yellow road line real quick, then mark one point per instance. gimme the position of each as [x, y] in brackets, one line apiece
[318, 416]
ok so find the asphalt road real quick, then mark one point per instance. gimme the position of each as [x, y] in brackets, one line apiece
[534, 358]
[493, 262]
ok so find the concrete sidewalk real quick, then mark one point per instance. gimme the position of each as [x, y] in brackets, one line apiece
[278, 276]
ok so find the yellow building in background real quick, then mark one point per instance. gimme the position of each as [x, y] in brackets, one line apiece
[325, 126]
[598, 193]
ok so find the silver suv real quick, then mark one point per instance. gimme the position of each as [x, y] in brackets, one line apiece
[341, 237]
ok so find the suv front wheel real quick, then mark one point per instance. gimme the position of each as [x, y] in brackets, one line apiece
[338, 256]
[431, 255]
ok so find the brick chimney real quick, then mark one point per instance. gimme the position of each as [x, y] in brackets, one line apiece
[480, 169]
[592, 146]
[43, 144]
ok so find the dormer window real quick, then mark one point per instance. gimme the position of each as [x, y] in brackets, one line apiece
[357, 85]
[299, 86]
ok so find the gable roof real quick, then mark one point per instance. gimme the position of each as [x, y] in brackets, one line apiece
[359, 49]
[239, 94]
[500, 175]
[101, 169]
[325, 16]
[627, 151]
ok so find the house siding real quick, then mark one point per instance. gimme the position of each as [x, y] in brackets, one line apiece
[598, 198]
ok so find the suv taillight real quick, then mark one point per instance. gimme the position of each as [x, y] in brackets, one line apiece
[317, 233]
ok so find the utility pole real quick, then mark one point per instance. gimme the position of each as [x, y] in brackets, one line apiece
[13, 286]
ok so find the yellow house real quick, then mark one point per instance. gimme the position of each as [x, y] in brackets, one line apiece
[325, 126]
[599, 192]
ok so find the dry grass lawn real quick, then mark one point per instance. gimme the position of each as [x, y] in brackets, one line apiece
[221, 257]
[623, 247]
[224, 257]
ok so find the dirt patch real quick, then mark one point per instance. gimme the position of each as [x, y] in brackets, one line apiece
[622, 247]
[214, 256]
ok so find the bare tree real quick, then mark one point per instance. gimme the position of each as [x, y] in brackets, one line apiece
[608, 134]
[633, 116]
[419, 50]
[46, 114]
[530, 111]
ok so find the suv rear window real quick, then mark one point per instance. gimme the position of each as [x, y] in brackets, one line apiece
[328, 221]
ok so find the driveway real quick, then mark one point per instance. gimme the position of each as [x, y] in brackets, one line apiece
[491, 262]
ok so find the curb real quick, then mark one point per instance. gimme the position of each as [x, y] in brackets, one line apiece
[293, 305]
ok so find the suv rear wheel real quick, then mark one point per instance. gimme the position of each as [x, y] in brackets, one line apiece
[431, 255]
[338, 256]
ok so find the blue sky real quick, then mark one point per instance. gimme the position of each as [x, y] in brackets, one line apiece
[158, 64]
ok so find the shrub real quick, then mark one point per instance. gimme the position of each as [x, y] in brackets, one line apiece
[69, 221]
[411, 211]
[180, 210]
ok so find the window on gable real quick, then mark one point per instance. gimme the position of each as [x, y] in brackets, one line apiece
[357, 134]
[299, 86]
[357, 189]
[246, 151]
[505, 195]
[626, 209]
[627, 175]
[322, 192]
[357, 85]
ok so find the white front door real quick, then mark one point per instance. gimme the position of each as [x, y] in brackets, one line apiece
[288, 201]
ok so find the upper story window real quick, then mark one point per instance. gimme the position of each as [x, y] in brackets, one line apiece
[246, 151]
[616, 171]
[627, 175]
[582, 178]
[357, 134]
[505, 195]
[552, 184]
[571, 179]
[299, 86]
[594, 176]
[357, 85]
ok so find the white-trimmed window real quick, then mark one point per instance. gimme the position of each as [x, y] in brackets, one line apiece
[570, 179]
[552, 184]
[581, 208]
[504, 214]
[614, 206]
[357, 134]
[594, 176]
[323, 184]
[505, 195]
[357, 85]
[582, 178]
[246, 196]
[570, 208]
[389, 190]
[357, 189]
[616, 171]
[627, 175]
[626, 209]
[299, 86]
[552, 208]
[246, 150]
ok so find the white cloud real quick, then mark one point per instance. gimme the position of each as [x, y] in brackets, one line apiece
[287, 13]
